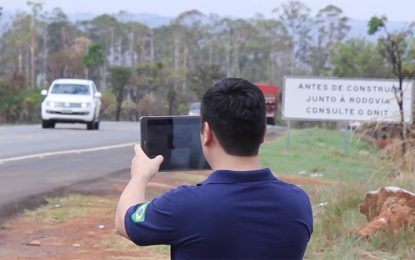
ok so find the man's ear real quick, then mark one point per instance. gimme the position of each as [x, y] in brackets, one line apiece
[207, 134]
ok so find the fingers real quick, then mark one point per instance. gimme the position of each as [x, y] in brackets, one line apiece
[144, 167]
[140, 153]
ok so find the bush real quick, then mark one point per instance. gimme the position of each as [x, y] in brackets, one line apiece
[18, 104]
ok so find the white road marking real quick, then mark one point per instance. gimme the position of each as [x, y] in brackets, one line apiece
[78, 151]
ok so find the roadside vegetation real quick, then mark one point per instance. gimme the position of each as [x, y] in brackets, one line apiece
[315, 160]
[161, 70]
[319, 155]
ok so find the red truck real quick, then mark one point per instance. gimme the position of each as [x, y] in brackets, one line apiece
[272, 95]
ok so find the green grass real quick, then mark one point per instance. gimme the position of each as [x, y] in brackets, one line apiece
[322, 151]
[61, 209]
[356, 172]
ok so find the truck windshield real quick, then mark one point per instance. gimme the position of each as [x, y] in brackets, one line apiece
[195, 105]
[71, 89]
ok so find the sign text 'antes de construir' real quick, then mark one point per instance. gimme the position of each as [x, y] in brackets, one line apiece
[345, 99]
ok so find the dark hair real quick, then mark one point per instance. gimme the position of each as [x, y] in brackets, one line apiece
[235, 110]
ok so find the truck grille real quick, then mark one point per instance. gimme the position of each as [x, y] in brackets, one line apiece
[67, 113]
[68, 104]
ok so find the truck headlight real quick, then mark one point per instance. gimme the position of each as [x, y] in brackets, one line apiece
[85, 104]
[51, 104]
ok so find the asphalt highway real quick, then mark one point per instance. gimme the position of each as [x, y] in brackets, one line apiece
[35, 160]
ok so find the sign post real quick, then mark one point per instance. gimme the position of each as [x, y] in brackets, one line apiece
[346, 140]
[288, 144]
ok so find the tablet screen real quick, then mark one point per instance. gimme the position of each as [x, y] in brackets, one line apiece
[177, 138]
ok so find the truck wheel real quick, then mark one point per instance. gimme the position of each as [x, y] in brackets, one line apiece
[96, 125]
[48, 124]
[90, 125]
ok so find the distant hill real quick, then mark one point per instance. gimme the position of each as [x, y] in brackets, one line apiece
[358, 27]
[151, 20]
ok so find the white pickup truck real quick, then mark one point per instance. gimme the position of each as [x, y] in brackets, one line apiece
[71, 101]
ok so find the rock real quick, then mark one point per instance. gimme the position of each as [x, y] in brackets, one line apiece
[34, 243]
[391, 208]
[76, 245]
[382, 142]
[100, 226]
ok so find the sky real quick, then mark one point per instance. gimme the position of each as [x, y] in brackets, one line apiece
[395, 10]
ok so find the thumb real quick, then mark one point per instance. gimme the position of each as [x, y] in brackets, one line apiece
[158, 159]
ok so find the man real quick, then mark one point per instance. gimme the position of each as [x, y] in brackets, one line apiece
[241, 211]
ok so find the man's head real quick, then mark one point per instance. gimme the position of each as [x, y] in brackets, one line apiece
[235, 110]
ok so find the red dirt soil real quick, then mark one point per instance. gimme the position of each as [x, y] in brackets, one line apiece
[24, 237]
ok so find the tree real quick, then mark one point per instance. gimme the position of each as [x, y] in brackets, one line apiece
[358, 58]
[93, 60]
[10, 91]
[296, 17]
[186, 35]
[162, 58]
[393, 47]
[119, 77]
[270, 50]
[150, 77]
[231, 45]
[15, 46]
[6, 99]
[332, 29]
[153, 77]
[60, 31]
[36, 9]
[180, 46]
[243, 49]
[141, 47]
[188, 32]
[69, 62]
[107, 31]
[203, 76]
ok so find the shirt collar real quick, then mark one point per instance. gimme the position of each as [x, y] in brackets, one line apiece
[228, 176]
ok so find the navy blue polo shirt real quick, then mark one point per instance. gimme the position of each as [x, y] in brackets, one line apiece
[231, 215]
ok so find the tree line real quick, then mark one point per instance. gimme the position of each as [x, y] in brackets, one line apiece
[154, 71]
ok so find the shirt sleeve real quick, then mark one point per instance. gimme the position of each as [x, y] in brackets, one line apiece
[151, 223]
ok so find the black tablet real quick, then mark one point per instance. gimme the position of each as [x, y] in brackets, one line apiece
[177, 138]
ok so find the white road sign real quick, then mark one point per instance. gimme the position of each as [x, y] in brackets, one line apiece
[311, 98]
